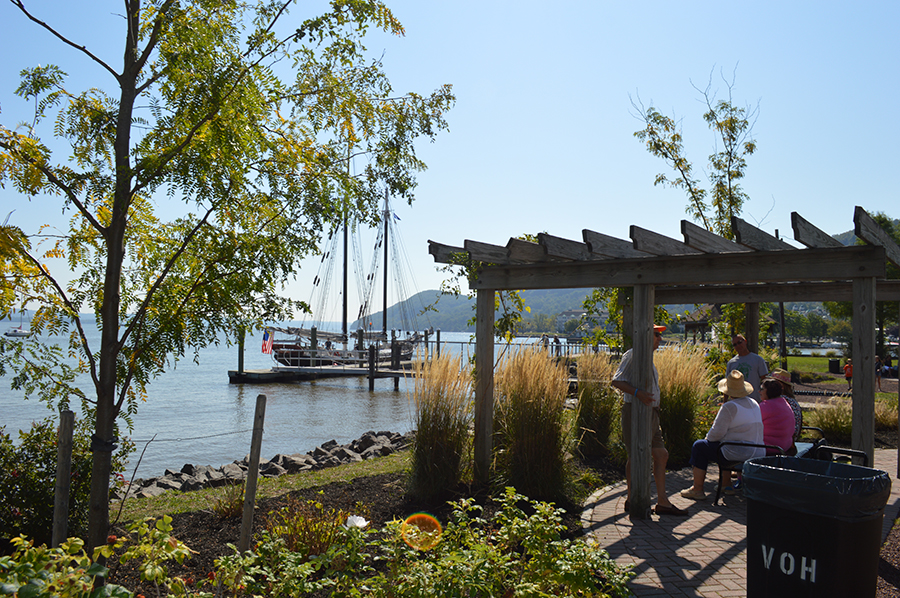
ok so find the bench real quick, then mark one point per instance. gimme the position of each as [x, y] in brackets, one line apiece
[817, 449]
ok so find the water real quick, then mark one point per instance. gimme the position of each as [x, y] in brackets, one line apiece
[198, 417]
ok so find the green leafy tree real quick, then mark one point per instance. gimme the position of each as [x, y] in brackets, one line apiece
[239, 127]
[734, 135]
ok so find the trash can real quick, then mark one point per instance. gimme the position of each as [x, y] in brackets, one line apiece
[813, 527]
[834, 366]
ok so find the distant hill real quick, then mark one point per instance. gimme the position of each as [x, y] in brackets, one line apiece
[452, 313]
[848, 238]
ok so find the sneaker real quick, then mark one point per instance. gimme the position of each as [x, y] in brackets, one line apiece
[731, 490]
[692, 494]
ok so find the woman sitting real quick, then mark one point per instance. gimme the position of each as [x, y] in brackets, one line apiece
[777, 417]
[787, 393]
[738, 420]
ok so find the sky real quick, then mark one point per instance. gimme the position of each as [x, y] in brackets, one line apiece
[541, 138]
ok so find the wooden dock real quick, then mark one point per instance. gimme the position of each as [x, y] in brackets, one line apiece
[305, 374]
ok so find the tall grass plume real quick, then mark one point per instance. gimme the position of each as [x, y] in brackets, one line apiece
[598, 405]
[442, 400]
[531, 436]
[684, 382]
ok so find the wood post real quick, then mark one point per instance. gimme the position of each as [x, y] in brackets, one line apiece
[252, 474]
[863, 433]
[437, 343]
[484, 383]
[642, 378]
[63, 478]
[372, 362]
[241, 335]
[751, 326]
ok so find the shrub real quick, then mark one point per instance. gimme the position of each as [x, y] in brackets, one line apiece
[684, 380]
[835, 419]
[28, 481]
[230, 500]
[62, 572]
[530, 425]
[442, 399]
[307, 528]
[513, 555]
[886, 414]
[598, 405]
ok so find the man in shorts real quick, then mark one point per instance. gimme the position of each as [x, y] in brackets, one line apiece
[658, 452]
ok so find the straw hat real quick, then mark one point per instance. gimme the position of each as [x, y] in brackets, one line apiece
[734, 385]
[780, 375]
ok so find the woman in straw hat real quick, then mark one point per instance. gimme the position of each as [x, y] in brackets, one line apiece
[738, 420]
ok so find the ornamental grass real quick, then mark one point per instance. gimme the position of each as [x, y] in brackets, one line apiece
[685, 380]
[442, 401]
[598, 405]
[531, 437]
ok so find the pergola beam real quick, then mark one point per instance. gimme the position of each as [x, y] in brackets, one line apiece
[731, 268]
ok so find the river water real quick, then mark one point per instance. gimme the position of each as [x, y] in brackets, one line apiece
[194, 415]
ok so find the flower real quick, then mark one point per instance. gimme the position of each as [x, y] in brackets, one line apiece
[356, 521]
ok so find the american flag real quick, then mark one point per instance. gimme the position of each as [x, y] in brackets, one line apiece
[268, 339]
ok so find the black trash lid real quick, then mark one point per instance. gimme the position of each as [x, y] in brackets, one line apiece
[836, 490]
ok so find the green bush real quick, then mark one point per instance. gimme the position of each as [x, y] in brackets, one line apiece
[598, 405]
[835, 420]
[28, 481]
[513, 554]
[62, 572]
[442, 398]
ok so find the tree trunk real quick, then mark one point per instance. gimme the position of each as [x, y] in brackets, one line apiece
[114, 238]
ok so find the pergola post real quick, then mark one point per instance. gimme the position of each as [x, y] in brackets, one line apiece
[751, 326]
[863, 433]
[484, 383]
[641, 371]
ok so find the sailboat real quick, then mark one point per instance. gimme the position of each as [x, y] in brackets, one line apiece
[312, 345]
[19, 331]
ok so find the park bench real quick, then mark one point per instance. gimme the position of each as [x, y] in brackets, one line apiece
[817, 449]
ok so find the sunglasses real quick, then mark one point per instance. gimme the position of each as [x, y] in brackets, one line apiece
[736, 343]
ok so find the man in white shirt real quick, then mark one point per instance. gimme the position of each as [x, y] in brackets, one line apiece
[622, 381]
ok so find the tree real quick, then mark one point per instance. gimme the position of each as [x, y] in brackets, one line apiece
[243, 126]
[734, 130]
[885, 311]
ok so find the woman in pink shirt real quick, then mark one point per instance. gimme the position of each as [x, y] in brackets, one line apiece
[777, 417]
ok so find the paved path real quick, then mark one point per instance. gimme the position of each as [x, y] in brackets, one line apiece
[703, 555]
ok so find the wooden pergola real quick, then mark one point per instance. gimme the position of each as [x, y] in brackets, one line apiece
[704, 268]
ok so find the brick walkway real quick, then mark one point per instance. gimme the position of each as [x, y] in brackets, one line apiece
[702, 555]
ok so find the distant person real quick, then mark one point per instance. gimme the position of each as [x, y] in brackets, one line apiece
[752, 366]
[879, 367]
[738, 420]
[557, 346]
[848, 373]
[545, 341]
[623, 381]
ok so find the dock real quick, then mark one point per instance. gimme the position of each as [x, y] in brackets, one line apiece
[306, 374]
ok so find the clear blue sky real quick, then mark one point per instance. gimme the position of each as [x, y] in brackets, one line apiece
[541, 138]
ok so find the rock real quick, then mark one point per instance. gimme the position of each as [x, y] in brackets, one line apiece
[329, 454]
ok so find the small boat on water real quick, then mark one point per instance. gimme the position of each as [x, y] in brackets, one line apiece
[18, 332]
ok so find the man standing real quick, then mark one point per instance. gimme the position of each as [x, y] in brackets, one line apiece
[751, 365]
[658, 452]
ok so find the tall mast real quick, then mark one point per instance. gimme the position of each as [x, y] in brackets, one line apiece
[387, 216]
[344, 307]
